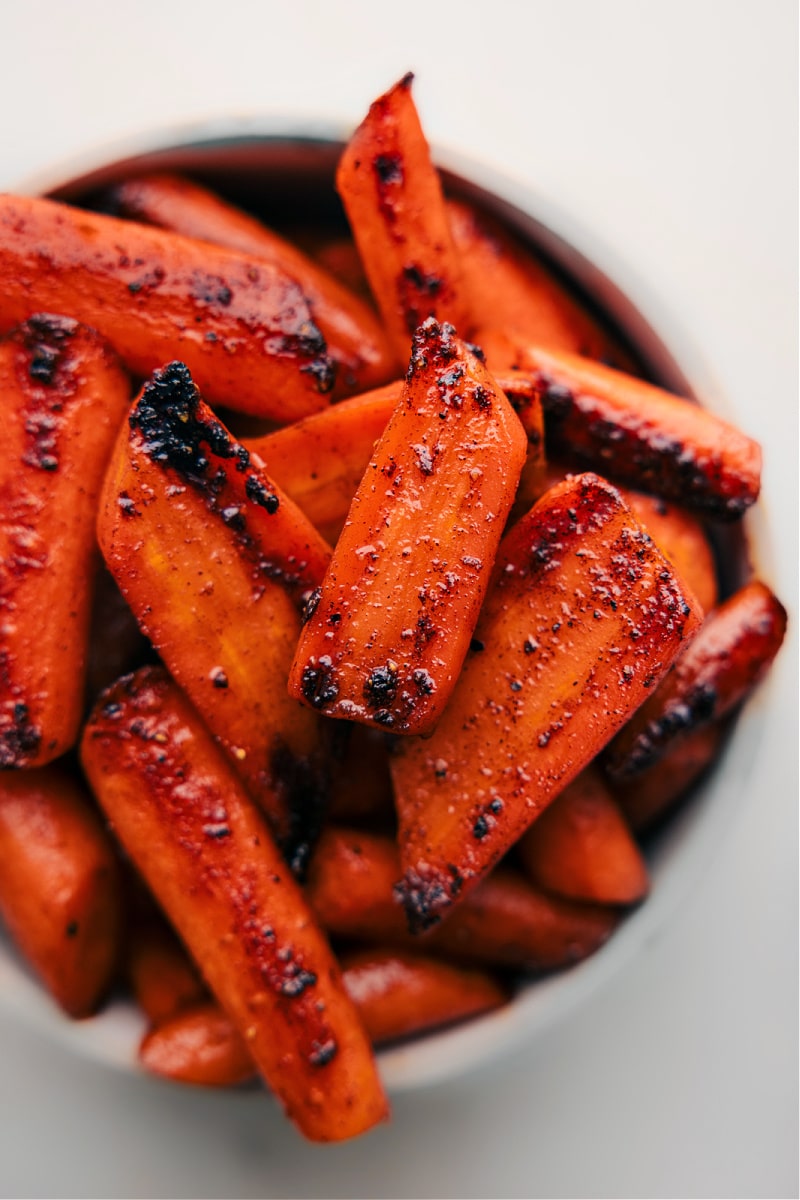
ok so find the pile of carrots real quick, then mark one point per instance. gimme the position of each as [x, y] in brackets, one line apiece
[364, 713]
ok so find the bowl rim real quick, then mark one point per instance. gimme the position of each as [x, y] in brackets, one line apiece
[111, 1037]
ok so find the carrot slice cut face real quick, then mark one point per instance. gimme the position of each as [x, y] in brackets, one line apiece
[584, 617]
[64, 396]
[388, 630]
[208, 857]
[394, 202]
[214, 561]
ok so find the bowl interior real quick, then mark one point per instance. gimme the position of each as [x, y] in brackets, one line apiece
[288, 181]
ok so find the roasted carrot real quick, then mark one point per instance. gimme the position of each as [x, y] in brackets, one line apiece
[244, 328]
[731, 653]
[505, 921]
[321, 460]
[650, 795]
[60, 893]
[353, 335]
[505, 286]
[633, 432]
[198, 1045]
[338, 255]
[389, 628]
[64, 395]
[213, 558]
[398, 994]
[681, 538]
[584, 616]
[581, 846]
[393, 198]
[163, 978]
[208, 857]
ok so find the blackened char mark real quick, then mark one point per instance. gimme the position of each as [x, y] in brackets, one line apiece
[304, 784]
[426, 894]
[19, 739]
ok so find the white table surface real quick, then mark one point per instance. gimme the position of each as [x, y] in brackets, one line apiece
[669, 131]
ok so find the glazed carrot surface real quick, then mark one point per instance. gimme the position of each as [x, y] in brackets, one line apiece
[388, 630]
[353, 334]
[64, 395]
[60, 893]
[648, 796]
[213, 560]
[162, 976]
[207, 855]
[584, 618]
[245, 330]
[198, 1045]
[581, 846]
[729, 656]
[393, 198]
[504, 921]
[634, 432]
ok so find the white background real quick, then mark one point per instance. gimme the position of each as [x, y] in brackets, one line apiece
[669, 130]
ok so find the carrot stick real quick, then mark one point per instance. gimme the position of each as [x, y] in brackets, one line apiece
[729, 656]
[633, 432]
[393, 198]
[398, 994]
[508, 288]
[321, 460]
[245, 329]
[354, 336]
[198, 1045]
[647, 797]
[209, 859]
[505, 921]
[163, 977]
[584, 617]
[60, 893]
[581, 846]
[389, 628]
[64, 396]
[213, 560]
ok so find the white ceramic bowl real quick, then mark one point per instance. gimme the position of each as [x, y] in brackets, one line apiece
[266, 169]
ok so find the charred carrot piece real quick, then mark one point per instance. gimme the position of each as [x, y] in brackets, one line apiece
[64, 396]
[393, 198]
[505, 921]
[398, 994]
[647, 797]
[682, 540]
[208, 857]
[633, 432]
[581, 846]
[213, 559]
[198, 1045]
[321, 460]
[244, 328]
[60, 895]
[389, 628]
[353, 335]
[508, 288]
[729, 656]
[584, 617]
[163, 978]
